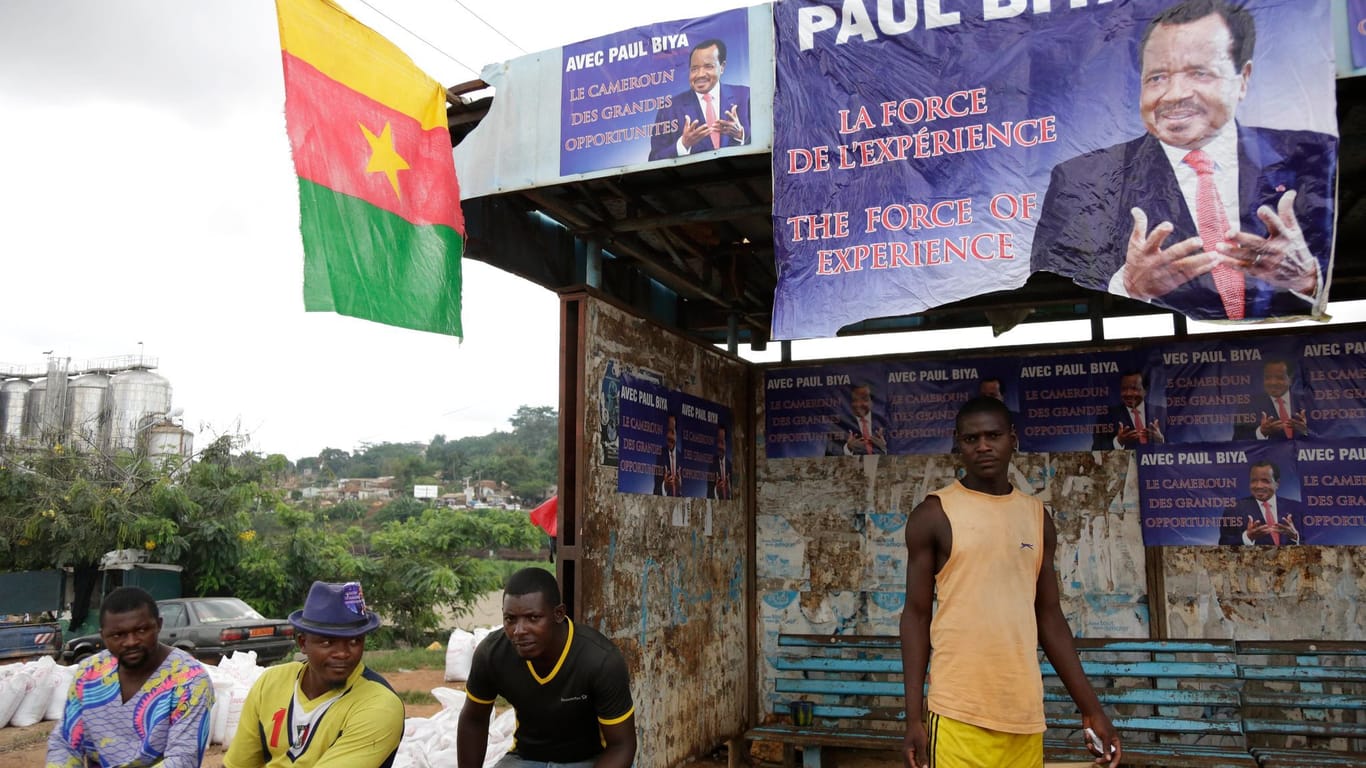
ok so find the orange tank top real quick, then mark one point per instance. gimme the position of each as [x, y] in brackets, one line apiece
[984, 666]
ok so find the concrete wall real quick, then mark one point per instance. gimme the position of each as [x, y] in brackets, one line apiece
[830, 556]
[666, 579]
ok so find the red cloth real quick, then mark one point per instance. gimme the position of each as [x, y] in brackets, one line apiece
[1212, 224]
[547, 516]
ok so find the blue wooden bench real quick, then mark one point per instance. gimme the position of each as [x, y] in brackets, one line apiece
[1304, 702]
[1175, 703]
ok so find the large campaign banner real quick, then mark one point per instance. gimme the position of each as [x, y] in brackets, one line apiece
[667, 90]
[926, 153]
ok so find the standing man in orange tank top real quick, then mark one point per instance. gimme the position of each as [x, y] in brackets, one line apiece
[987, 550]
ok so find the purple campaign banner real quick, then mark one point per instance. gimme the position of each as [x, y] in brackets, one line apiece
[648, 433]
[1220, 390]
[704, 438]
[1334, 481]
[914, 142]
[924, 398]
[817, 411]
[1079, 402]
[1335, 370]
[626, 97]
[1201, 493]
[1356, 20]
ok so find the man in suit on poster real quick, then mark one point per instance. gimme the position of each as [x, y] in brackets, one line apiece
[1128, 424]
[710, 115]
[668, 479]
[1202, 215]
[862, 432]
[1263, 518]
[719, 478]
[1273, 416]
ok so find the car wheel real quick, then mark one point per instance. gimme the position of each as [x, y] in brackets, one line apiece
[81, 656]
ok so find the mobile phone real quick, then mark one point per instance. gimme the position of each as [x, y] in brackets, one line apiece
[1097, 743]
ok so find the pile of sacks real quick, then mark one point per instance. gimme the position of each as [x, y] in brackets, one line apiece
[429, 742]
[460, 652]
[232, 680]
[33, 691]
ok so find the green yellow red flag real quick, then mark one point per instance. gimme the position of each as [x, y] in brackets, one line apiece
[378, 199]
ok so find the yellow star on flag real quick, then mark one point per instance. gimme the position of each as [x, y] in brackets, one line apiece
[383, 157]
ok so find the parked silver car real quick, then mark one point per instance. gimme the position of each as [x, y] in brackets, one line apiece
[208, 628]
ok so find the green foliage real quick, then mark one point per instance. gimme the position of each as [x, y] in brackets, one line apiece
[383, 661]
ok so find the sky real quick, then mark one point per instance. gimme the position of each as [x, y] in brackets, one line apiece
[150, 207]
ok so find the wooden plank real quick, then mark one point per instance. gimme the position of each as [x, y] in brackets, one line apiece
[1172, 669]
[1156, 696]
[825, 737]
[1303, 700]
[840, 687]
[1122, 645]
[1322, 674]
[1158, 725]
[1301, 647]
[853, 666]
[1305, 728]
[841, 641]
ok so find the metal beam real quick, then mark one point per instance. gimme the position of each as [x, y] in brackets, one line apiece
[690, 217]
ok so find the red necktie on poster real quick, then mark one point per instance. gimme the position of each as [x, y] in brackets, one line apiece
[865, 427]
[1271, 520]
[711, 121]
[1284, 415]
[1212, 224]
[1138, 424]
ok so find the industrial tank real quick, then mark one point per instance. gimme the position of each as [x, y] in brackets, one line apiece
[12, 394]
[34, 402]
[87, 411]
[136, 396]
[167, 440]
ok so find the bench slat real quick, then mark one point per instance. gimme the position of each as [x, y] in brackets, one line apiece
[1155, 696]
[1305, 728]
[1325, 674]
[1158, 725]
[837, 687]
[1285, 700]
[1183, 670]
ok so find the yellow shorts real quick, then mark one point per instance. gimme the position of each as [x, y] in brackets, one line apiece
[955, 744]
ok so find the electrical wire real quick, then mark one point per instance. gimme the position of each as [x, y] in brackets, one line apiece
[499, 32]
[429, 43]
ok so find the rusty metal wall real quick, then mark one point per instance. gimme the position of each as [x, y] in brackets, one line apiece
[830, 556]
[667, 579]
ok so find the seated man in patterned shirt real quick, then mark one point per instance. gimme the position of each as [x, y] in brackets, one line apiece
[136, 703]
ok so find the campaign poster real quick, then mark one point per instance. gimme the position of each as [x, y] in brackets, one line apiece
[1211, 494]
[1334, 370]
[924, 397]
[704, 436]
[666, 90]
[1231, 389]
[826, 411]
[1334, 483]
[1090, 401]
[927, 153]
[648, 451]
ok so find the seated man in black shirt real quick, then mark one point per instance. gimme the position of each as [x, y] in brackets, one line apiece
[568, 684]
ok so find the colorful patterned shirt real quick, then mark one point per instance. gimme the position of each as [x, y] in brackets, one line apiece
[165, 723]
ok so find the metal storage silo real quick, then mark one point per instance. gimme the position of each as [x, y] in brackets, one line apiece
[136, 396]
[87, 411]
[12, 395]
[34, 402]
[168, 440]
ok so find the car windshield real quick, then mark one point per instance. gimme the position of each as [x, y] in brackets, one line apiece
[225, 609]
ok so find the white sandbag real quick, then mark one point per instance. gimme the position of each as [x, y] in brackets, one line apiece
[13, 688]
[236, 699]
[500, 736]
[223, 684]
[482, 632]
[459, 655]
[59, 680]
[30, 710]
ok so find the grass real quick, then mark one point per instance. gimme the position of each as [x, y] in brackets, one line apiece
[416, 697]
[411, 658]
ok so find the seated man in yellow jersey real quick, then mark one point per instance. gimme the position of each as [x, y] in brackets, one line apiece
[568, 684]
[987, 549]
[329, 709]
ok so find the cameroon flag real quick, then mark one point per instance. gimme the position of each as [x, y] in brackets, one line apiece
[378, 200]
